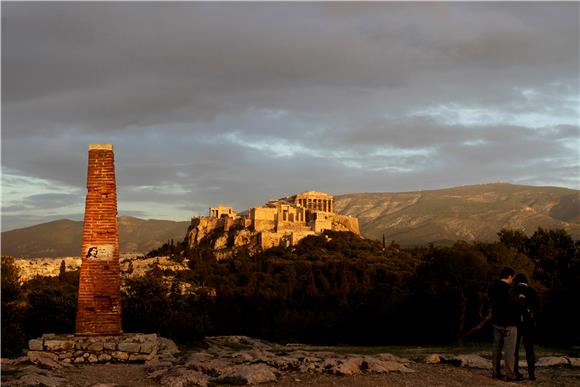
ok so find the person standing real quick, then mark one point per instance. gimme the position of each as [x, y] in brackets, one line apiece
[527, 299]
[504, 318]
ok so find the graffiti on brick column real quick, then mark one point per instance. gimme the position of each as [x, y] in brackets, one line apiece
[100, 252]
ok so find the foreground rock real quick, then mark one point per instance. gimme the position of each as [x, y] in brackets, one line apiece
[239, 360]
[476, 361]
[243, 360]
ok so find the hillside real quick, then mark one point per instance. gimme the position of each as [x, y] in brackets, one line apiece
[441, 216]
[62, 238]
[467, 213]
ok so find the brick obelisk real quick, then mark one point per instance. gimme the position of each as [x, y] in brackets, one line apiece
[99, 301]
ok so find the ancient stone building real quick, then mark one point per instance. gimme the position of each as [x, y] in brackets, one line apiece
[220, 211]
[99, 303]
[314, 201]
[283, 221]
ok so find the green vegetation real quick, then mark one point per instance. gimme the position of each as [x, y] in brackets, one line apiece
[41, 305]
[338, 288]
[329, 289]
[152, 305]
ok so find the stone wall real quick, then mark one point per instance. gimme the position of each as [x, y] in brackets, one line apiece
[97, 349]
[299, 235]
[270, 239]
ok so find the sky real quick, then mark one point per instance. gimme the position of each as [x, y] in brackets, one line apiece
[238, 103]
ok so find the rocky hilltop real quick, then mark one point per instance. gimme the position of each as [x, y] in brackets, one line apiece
[280, 222]
[62, 238]
[475, 212]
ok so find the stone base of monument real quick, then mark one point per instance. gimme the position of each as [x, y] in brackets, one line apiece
[125, 348]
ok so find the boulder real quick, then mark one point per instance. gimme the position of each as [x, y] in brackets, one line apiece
[129, 347]
[391, 357]
[47, 363]
[551, 361]
[98, 346]
[213, 367]
[34, 355]
[254, 374]
[104, 357]
[474, 361]
[147, 347]
[434, 358]
[92, 358]
[350, 366]
[283, 363]
[59, 345]
[109, 346]
[181, 377]
[574, 362]
[123, 356]
[36, 345]
[375, 365]
[165, 344]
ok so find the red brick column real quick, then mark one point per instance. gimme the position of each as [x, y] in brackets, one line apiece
[99, 301]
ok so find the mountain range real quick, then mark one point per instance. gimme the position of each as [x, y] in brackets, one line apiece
[474, 212]
[63, 238]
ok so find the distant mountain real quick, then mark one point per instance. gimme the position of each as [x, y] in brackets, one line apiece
[63, 238]
[475, 212]
[409, 218]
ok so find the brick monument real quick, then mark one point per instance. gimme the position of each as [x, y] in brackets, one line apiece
[99, 301]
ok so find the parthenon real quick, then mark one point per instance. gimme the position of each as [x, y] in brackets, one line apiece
[312, 200]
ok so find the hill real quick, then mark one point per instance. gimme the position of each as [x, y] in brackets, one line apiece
[466, 213]
[63, 238]
[409, 218]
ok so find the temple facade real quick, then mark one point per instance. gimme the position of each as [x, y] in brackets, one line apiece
[287, 220]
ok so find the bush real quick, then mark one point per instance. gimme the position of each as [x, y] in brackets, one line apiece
[13, 335]
[150, 305]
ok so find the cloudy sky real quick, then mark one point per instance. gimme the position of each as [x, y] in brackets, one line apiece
[237, 103]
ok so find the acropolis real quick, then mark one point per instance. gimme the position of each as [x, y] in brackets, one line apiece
[279, 222]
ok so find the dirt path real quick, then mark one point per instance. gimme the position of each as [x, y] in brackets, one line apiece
[432, 376]
[426, 375]
[122, 375]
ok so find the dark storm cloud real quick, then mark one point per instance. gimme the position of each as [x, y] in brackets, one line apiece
[241, 102]
[52, 200]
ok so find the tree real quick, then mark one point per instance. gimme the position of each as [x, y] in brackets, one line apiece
[450, 288]
[13, 336]
[62, 271]
[10, 290]
[515, 239]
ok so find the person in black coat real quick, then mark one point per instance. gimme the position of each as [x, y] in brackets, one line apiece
[527, 300]
[505, 319]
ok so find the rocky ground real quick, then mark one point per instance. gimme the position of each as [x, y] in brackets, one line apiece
[239, 360]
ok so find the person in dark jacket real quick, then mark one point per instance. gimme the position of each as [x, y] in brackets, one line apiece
[527, 300]
[504, 318]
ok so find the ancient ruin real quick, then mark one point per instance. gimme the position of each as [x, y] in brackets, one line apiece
[99, 301]
[280, 222]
